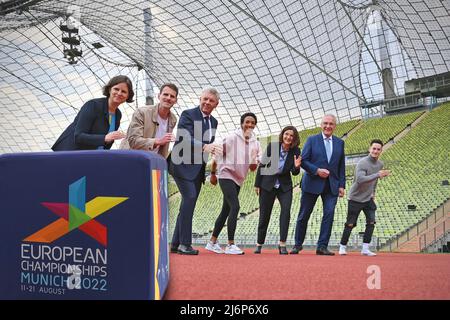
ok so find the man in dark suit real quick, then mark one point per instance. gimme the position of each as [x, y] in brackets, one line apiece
[195, 137]
[323, 160]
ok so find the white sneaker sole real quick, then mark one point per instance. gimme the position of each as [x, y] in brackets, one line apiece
[369, 254]
[235, 253]
[215, 251]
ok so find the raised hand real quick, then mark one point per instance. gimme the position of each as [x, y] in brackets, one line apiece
[297, 161]
[167, 138]
[384, 173]
[114, 135]
[213, 148]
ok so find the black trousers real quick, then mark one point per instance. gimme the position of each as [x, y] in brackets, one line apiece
[230, 208]
[354, 209]
[266, 201]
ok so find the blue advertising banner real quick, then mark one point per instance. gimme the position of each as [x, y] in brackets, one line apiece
[83, 225]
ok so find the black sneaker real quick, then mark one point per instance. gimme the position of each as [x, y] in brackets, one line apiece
[324, 252]
[296, 249]
[182, 249]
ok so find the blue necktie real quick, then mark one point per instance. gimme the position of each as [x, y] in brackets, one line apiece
[328, 148]
[281, 163]
[207, 127]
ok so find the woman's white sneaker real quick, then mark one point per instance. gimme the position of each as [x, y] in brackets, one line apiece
[233, 249]
[342, 250]
[214, 247]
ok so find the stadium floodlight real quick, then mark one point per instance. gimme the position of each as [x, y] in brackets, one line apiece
[71, 37]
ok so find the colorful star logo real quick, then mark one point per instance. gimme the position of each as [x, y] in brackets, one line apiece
[77, 214]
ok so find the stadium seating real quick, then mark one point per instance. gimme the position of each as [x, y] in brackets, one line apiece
[384, 129]
[419, 163]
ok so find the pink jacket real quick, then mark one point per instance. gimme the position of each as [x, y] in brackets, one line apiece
[237, 156]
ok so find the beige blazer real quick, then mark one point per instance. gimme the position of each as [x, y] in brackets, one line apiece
[142, 130]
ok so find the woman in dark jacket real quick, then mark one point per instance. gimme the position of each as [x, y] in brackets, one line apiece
[273, 179]
[97, 122]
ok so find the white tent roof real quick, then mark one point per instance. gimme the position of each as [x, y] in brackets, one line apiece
[287, 61]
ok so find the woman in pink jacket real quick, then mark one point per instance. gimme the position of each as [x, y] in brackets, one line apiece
[241, 153]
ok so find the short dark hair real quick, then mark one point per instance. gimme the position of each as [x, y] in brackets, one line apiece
[171, 86]
[376, 141]
[295, 141]
[248, 114]
[116, 80]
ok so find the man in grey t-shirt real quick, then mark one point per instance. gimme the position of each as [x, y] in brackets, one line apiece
[362, 195]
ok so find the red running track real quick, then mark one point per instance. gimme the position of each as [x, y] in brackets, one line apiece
[270, 276]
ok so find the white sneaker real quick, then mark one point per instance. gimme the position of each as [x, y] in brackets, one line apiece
[342, 250]
[367, 252]
[214, 247]
[233, 249]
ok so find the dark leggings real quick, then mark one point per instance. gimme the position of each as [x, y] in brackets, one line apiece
[230, 208]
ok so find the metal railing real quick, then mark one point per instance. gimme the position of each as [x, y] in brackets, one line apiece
[435, 237]
[418, 228]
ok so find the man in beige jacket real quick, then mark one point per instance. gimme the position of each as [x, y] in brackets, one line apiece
[151, 126]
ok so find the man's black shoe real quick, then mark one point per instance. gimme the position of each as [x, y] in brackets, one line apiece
[324, 252]
[296, 249]
[182, 249]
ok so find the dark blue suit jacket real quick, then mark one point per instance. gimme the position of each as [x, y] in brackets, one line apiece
[314, 156]
[189, 145]
[267, 181]
[88, 129]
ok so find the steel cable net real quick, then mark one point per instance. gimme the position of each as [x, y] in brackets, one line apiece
[289, 62]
